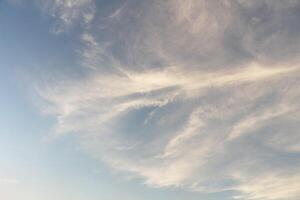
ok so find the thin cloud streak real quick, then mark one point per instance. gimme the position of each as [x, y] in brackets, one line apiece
[9, 181]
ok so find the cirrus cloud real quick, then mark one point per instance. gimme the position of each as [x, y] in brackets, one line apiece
[201, 95]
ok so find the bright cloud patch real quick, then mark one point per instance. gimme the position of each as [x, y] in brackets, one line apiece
[202, 95]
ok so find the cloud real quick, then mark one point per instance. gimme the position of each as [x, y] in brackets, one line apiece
[200, 95]
[66, 13]
[270, 186]
[9, 181]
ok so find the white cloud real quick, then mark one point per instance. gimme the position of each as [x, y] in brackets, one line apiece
[270, 186]
[9, 181]
[199, 100]
[66, 13]
[178, 157]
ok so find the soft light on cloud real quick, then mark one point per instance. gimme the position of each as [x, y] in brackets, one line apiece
[200, 95]
[9, 181]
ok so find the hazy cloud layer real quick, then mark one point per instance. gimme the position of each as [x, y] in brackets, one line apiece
[9, 181]
[201, 95]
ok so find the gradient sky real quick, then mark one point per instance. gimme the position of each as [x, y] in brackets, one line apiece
[150, 99]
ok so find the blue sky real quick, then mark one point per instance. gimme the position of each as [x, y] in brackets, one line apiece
[153, 99]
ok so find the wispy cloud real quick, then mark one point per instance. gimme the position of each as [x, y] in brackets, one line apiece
[9, 181]
[65, 12]
[201, 95]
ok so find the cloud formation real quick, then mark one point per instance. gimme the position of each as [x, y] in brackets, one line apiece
[201, 95]
[67, 13]
[9, 181]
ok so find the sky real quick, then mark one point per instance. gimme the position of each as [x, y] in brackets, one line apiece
[149, 99]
